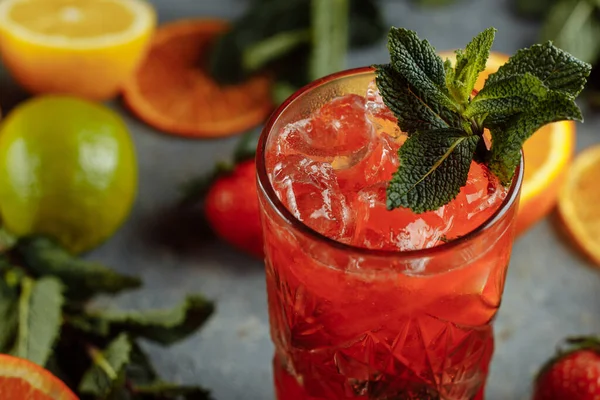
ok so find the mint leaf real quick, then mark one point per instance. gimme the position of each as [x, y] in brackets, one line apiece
[557, 69]
[574, 27]
[469, 63]
[433, 167]
[163, 391]
[508, 138]
[40, 319]
[414, 111]
[83, 279]
[508, 96]
[418, 64]
[140, 370]
[108, 369]
[164, 326]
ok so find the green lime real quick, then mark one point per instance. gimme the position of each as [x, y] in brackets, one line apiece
[67, 170]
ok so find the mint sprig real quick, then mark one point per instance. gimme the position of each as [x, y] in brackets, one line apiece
[445, 123]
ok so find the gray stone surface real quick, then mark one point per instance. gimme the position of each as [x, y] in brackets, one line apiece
[550, 292]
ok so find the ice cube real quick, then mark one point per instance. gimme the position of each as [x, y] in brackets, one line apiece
[339, 129]
[380, 115]
[399, 229]
[309, 189]
[477, 200]
[377, 166]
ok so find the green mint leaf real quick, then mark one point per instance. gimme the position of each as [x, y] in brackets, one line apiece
[140, 370]
[40, 318]
[83, 279]
[469, 63]
[164, 326]
[414, 112]
[9, 306]
[167, 391]
[557, 69]
[108, 368]
[573, 26]
[433, 167]
[418, 64]
[508, 137]
[514, 94]
[329, 24]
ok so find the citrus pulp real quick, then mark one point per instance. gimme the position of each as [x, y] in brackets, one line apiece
[23, 380]
[86, 48]
[67, 170]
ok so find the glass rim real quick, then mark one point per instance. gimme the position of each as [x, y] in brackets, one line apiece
[264, 184]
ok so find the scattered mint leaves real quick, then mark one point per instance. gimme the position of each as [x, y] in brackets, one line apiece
[108, 367]
[435, 167]
[98, 355]
[83, 279]
[164, 326]
[40, 318]
[445, 121]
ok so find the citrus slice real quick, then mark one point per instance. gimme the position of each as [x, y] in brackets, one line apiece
[87, 48]
[547, 153]
[23, 380]
[173, 92]
[578, 202]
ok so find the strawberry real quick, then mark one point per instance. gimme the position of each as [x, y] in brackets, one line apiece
[573, 374]
[231, 208]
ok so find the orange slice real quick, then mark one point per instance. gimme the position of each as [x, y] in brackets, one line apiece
[173, 92]
[23, 380]
[579, 201]
[547, 154]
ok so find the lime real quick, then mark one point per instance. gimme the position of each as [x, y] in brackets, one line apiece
[67, 170]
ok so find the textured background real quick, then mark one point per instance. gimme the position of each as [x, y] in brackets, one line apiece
[550, 293]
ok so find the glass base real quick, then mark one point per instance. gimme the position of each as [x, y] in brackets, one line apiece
[287, 387]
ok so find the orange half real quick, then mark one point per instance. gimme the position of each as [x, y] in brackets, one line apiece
[547, 155]
[23, 380]
[173, 92]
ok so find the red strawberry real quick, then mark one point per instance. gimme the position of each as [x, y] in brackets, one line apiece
[574, 374]
[231, 208]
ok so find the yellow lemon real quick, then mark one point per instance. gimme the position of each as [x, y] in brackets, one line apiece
[86, 48]
[67, 170]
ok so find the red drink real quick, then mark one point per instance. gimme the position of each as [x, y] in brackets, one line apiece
[367, 303]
